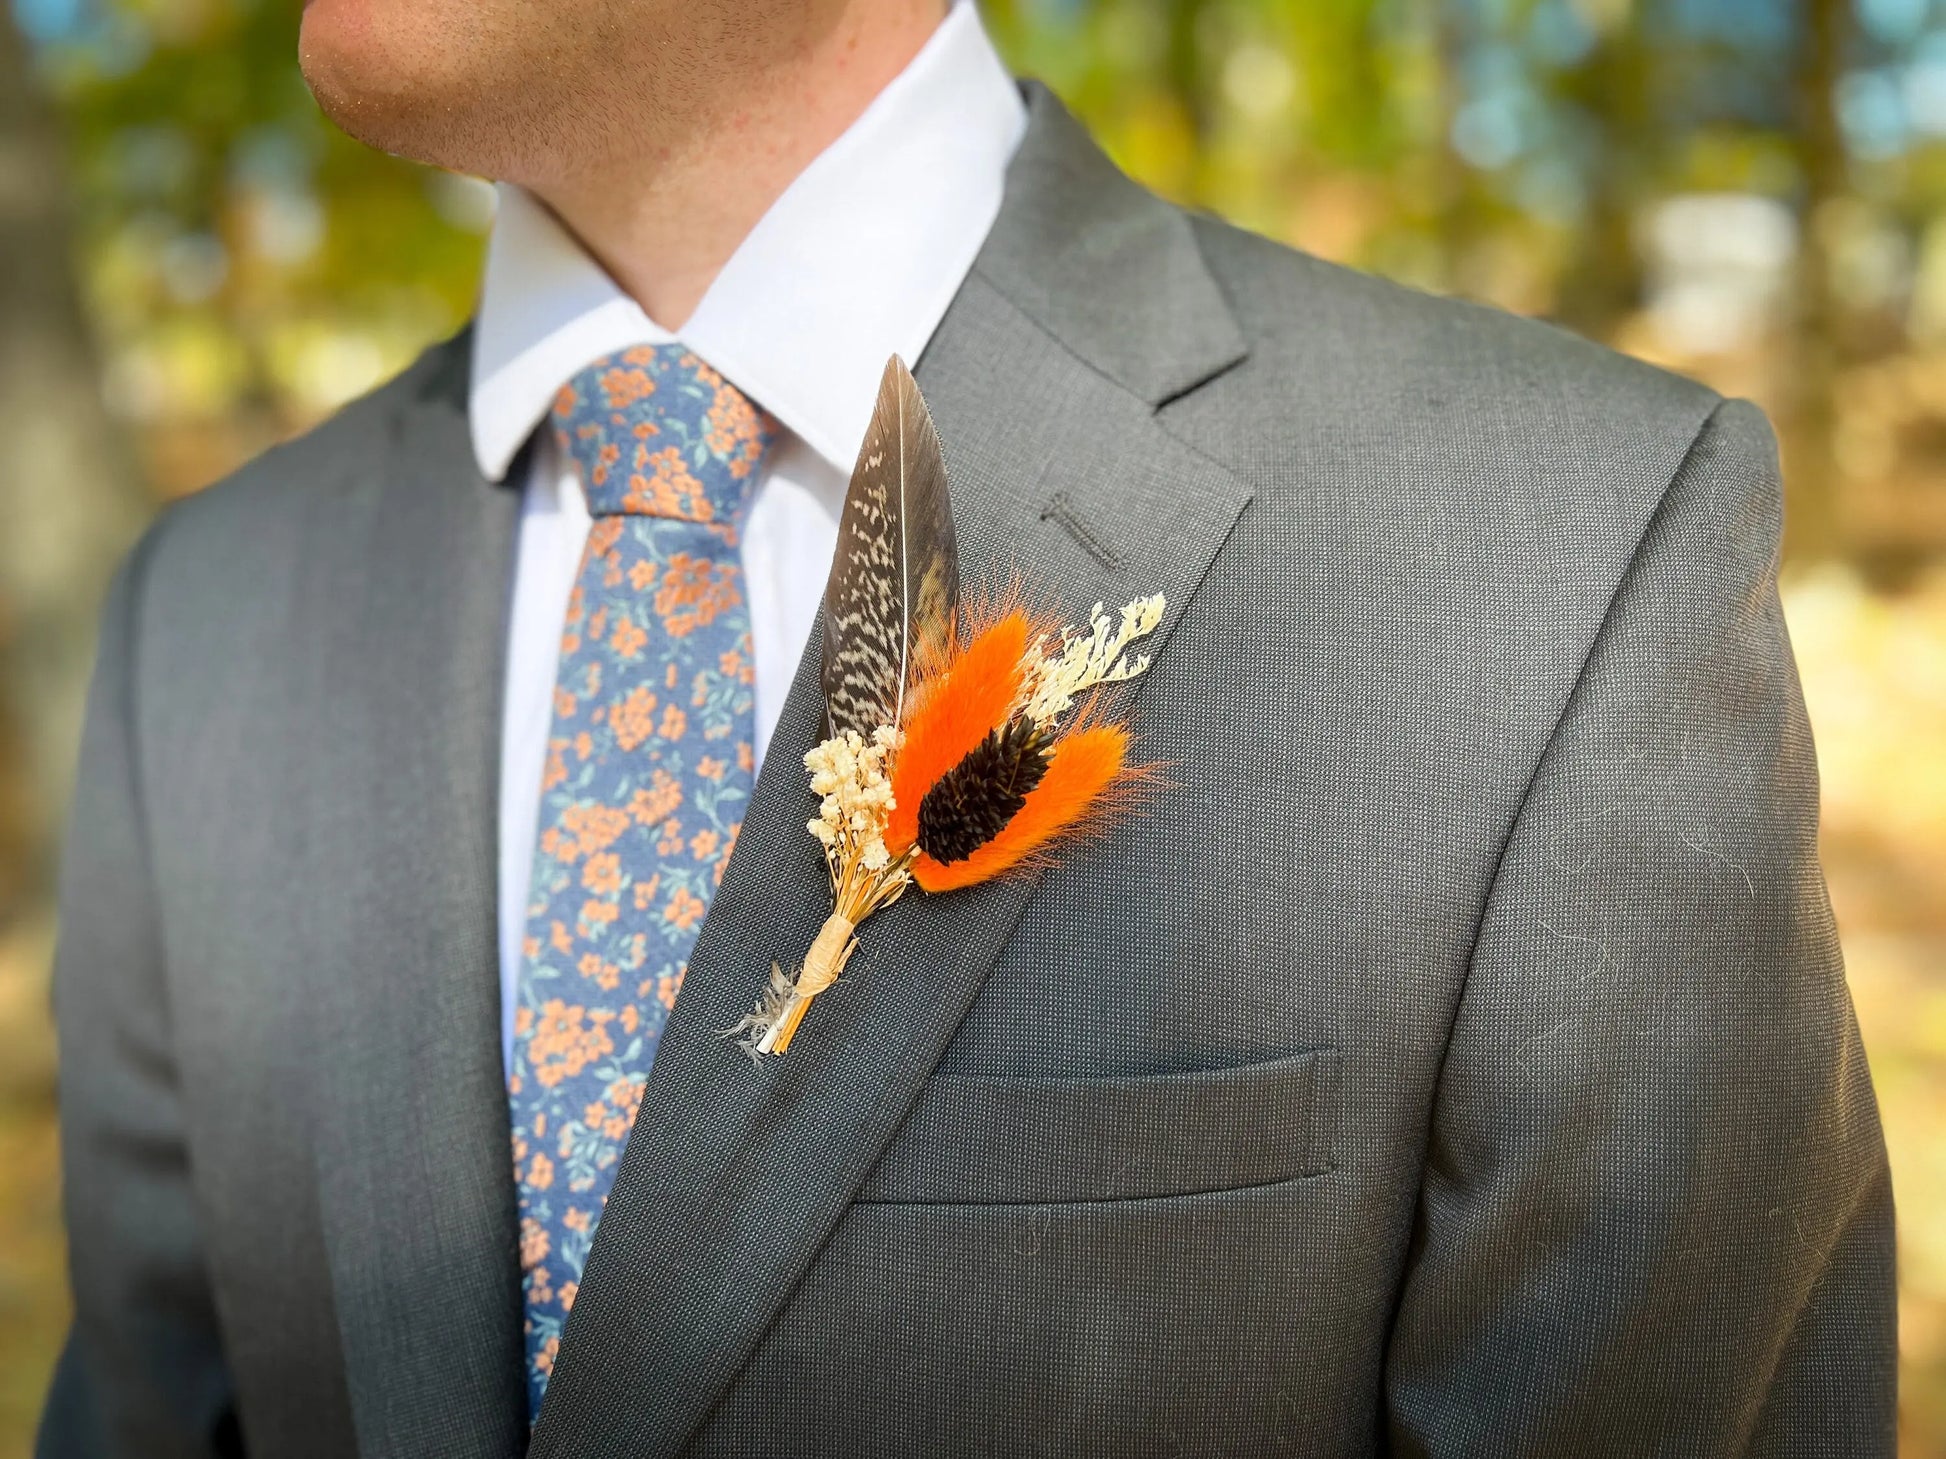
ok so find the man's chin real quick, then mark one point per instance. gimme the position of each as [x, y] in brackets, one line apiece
[374, 91]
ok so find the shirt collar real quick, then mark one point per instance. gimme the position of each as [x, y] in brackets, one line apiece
[857, 260]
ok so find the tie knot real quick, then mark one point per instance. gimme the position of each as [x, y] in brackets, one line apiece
[656, 432]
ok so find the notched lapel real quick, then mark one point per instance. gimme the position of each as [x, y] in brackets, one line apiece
[1072, 226]
[735, 1174]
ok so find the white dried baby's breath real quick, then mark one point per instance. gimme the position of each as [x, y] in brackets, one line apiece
[849, 774]
[1086, 661]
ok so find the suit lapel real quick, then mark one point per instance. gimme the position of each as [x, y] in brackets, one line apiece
[413, 1162]
[735, 1174]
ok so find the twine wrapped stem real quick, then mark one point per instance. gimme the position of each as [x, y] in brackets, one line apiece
[822, 965]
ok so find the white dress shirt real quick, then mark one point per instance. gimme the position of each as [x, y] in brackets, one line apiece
[857, 260]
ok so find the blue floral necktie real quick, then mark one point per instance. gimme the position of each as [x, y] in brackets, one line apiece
[649, 767]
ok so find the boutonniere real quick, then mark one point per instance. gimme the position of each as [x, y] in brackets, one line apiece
[963, 742]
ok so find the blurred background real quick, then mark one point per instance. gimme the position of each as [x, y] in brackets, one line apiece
[193, 265]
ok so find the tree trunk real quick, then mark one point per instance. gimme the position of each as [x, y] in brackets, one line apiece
[70, 500]
[1615, 87]
[1811, 516]
[1455, 217]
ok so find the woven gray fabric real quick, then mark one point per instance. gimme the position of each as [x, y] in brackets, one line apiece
[1454, 1060]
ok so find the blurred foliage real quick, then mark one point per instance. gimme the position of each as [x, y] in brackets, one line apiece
[1874, 671]
[1753, 189]
[1749, 190]
[248, 266]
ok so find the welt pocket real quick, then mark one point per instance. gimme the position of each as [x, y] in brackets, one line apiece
[981, 1141]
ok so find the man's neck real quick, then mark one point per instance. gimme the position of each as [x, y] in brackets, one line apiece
[663, 216]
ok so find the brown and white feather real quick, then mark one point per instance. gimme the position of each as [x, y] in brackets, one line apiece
[894, 581]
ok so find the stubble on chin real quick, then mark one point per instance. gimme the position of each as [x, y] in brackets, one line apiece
[551, 94]
[418, 88]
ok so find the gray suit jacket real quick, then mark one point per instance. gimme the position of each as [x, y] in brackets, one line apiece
[1456, 1060]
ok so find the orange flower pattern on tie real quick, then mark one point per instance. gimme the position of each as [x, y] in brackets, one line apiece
[649, 766]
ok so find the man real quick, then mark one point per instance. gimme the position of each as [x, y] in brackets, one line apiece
[1454, 1059]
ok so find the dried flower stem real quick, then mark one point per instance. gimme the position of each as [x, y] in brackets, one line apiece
[849, 775]
[822, 965]
[859, 893]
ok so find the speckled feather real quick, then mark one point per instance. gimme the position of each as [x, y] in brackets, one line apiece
[895, 576]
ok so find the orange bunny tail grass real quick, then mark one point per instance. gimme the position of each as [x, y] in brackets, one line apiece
[1086, 780]
[970, 698]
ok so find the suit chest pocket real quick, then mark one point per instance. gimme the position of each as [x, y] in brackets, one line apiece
[980, 1141]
